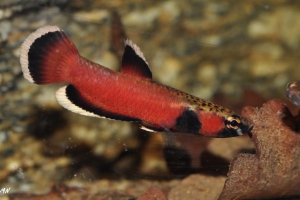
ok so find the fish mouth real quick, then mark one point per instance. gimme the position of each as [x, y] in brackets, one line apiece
[244, 127]
[250, 128]
[243, 130]
[247, 129]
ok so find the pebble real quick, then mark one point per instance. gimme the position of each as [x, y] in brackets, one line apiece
[153, 193]
[267, 50]
[46, 97]
[166, 12]
[207, 74]
[5, 29]
[109, 60]
[169, 12]
[204, 92]
[141, 18]
[3, 136]
[229, 88]
[13, 165]
[168, 71]
[206, 81]
[211, 40]
[97, 15]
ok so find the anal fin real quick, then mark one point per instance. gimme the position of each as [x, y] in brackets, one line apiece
[71, 98]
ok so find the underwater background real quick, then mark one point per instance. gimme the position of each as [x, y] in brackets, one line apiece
[234, 53]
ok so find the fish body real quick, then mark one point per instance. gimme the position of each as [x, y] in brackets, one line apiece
[48, 56]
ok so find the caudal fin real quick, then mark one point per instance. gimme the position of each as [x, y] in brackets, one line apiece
[47, 55]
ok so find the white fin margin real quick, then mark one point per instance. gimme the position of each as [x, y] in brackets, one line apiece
[66, 103]
[136, 49]
[26, 46]
[147, 129]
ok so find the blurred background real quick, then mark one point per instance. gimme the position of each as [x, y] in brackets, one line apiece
[234, 53]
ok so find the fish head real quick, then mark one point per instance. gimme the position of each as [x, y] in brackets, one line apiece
[235, 125]
[222, 124]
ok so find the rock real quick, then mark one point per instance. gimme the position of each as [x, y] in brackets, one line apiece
[153, 193]
[197, 187]
[97, 15]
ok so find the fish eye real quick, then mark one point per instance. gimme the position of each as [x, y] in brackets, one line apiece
[233, 122]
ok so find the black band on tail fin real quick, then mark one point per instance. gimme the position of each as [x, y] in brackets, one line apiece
[45, 55]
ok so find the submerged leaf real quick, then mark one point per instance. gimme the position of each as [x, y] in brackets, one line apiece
[274, 170]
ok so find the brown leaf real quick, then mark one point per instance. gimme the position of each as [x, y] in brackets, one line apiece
[274, 170]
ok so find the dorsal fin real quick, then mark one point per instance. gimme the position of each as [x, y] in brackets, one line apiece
[134, 62]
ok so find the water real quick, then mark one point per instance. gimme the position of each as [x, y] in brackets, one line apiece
[235, 54]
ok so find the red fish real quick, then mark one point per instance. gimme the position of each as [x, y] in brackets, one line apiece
[48, 56]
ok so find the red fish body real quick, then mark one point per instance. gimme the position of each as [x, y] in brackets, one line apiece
[48, 56]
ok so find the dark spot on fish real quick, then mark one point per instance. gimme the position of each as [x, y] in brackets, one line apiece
[203, 104]
[188, 122]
